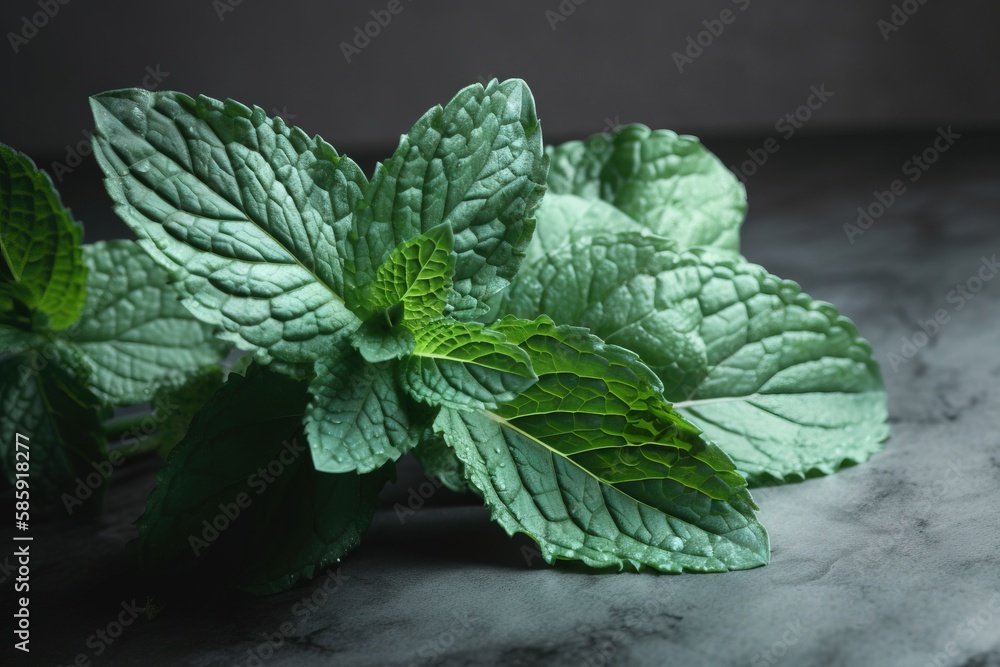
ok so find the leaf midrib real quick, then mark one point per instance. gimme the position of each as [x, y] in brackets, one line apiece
[425, 274]
[15, 274]
[682, 405]
[505, 423]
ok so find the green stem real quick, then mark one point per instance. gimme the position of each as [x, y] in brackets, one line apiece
[116, 429]
[139, 444]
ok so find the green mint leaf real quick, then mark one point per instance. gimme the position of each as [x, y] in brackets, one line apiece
[439, 460]
[561, 220]
[783, 383]
[592, 463]
[669, 183]
[175, 406]
[134, 333]
[411, 287]
[239, 495]
[44, 402]
[40, 262]
[14, 339]
[358, 417]
[417, 275]
[380, 341]
[249, 213]
[464, 365]
[476, 164]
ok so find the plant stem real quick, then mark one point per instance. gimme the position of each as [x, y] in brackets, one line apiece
[141, 443]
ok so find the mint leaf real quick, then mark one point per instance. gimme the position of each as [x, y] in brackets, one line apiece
[358, 417]
[44, 402]
[175, 406]
[134, 333]
[40, 266]
[476, 164]
[239, 496]
[411, 287]
[249, 213]
[593, 275]
[464, 365]
[16, 339]
[668, 183]
[592, 463]
[439, 460]
[561, 220]
[418, 275]
[783, 383]
[382, 341]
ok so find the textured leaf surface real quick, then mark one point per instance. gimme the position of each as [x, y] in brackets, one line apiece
[60, 418]
[358, 418]
[134, 331]
[39, 244]
[561, 220]
[248, 212]
[783, 383]
[17, 339]
[410, 288]
[592, 463]
[439, 460]
[464, 365]
[668, 183]
[379, 340]
[417, 275]
[295, 522]
[476, 164]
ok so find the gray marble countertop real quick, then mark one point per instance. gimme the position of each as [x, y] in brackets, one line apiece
[895, 562]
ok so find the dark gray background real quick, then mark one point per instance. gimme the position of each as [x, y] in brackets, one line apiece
[606, 61]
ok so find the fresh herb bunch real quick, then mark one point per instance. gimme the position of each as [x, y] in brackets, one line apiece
[611, 400]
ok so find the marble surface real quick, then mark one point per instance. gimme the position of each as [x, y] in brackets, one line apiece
[895, 562]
